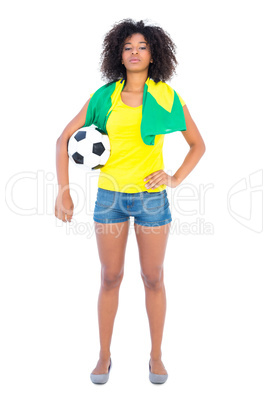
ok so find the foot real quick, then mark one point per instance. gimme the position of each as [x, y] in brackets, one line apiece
[102, 366]
[157, 367]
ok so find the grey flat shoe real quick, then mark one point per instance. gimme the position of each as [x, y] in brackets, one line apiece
[157, 378]
[101, 378]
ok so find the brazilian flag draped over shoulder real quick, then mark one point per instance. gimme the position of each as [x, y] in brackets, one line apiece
[162, 112]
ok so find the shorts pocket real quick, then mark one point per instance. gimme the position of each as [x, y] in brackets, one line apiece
[105, 198]
[153, 201]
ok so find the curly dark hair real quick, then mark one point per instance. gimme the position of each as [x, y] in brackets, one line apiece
[161, 45]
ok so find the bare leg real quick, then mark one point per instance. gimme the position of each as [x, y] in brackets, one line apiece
[152, 243]
[111, 240]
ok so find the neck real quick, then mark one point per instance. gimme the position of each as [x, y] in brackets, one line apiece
[135, 81]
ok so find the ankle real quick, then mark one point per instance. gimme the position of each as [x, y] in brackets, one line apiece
[104, 355]
[155, 356]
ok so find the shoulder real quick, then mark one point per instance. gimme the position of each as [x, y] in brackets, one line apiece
[180, 98]
[163, 87]
[104, 90]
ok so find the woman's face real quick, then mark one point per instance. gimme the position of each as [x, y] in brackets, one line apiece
[136, 54]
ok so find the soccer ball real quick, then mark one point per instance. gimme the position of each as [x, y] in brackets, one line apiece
[89, 148]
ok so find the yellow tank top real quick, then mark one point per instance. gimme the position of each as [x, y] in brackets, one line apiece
[131, 160]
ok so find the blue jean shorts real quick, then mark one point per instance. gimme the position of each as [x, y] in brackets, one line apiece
[147, 208]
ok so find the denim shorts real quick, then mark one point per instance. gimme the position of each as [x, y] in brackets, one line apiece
[147, 208]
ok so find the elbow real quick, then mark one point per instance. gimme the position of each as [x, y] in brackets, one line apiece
[59, 140]
[200, 146]
[64, 137]
[62, 144]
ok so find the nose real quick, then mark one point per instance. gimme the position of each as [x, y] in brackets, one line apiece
[133, 51]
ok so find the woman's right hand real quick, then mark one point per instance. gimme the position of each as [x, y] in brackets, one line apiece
[64, 207]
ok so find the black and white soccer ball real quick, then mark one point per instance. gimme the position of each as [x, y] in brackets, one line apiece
[89, 148]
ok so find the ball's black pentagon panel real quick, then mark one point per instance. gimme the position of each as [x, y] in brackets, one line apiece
[98, 148]
[81, 135]
[78, 158]
[97, 167]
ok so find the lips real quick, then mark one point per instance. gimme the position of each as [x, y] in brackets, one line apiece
[134, 59]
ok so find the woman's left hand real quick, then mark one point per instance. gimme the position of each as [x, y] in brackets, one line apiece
[160, 177]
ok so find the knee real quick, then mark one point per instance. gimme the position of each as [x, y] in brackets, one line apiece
[153, 279]
[110, 279]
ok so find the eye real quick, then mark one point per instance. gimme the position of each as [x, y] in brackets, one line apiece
[142, 47]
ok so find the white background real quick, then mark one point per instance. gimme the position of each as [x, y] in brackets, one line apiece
[215, 337]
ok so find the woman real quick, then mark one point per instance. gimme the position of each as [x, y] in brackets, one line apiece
[133, 182]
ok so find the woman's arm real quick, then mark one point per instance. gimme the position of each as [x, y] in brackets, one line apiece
[64, 204]
[197, 148]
